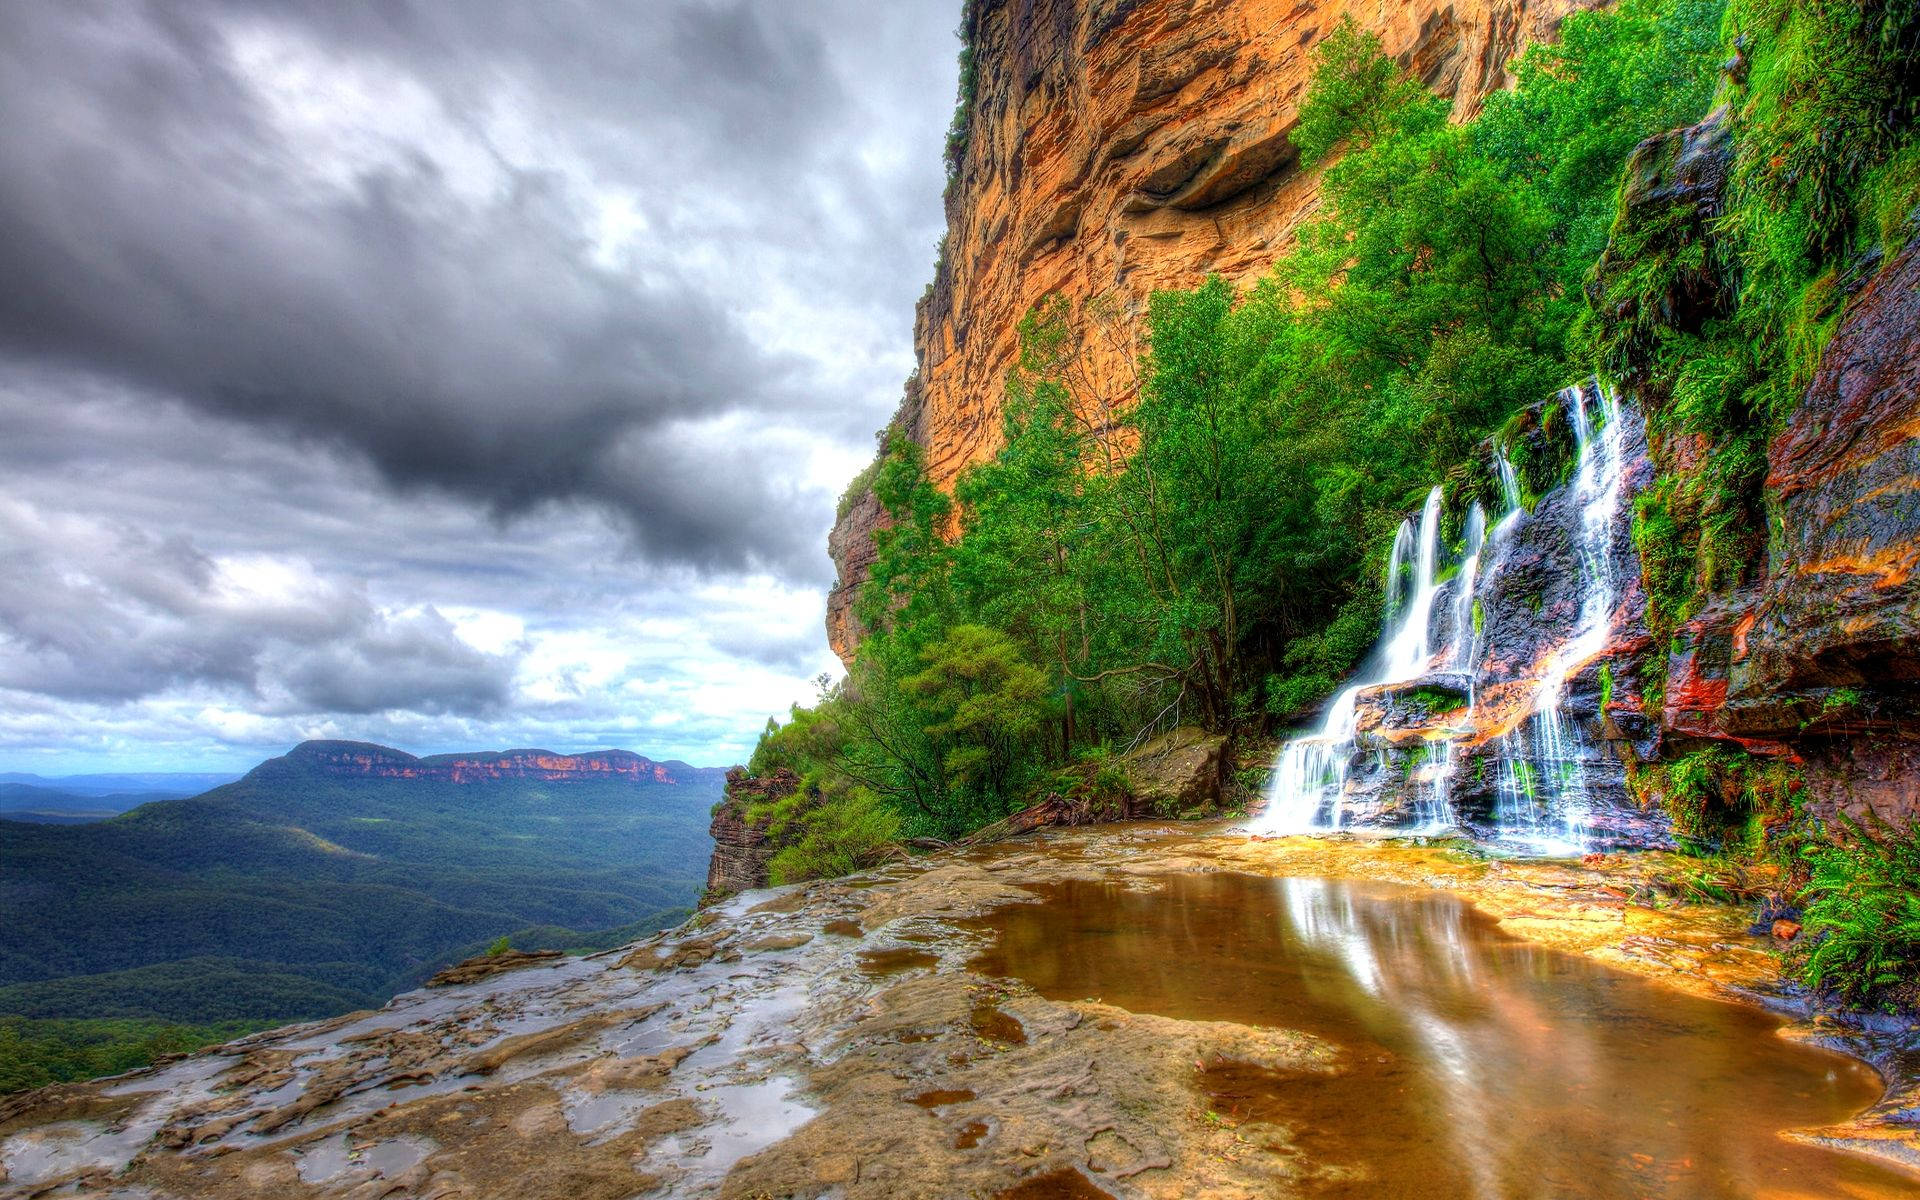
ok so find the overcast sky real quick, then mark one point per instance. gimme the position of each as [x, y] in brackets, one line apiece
[456, 374]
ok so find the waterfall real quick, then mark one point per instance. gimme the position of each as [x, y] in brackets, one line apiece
[1544, 799]
[1465, 639]
[1309, 781]
[1509, 480]
[1540, 795]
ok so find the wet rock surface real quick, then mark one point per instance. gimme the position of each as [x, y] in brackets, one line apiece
[833, 1039]
[1819, 664]
[1545, 624]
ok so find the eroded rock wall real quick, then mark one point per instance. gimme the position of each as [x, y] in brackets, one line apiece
[1820, 662]
[741, 848]
[1119, 147]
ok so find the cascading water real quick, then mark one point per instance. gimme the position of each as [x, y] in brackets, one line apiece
[1536, 768]
[1509, 480]
[1543, 796]
[1310, 779]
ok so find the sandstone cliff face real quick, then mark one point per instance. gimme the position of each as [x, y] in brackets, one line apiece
[1821, 661]
[1119, 147]
[741, 849]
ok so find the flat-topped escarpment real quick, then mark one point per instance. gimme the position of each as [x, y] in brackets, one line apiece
[364, 760]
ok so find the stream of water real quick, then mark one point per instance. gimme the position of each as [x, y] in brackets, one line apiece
[1472, 1066]
[1543, 801]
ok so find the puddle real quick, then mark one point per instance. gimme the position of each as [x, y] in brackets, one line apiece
[941, 1097]
[1476, 1065]
[996, 1026]
[969, 1135]
[897, 961]
[841, 927]
[1055, 1185]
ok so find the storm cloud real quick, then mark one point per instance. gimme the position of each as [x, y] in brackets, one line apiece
[317, 314]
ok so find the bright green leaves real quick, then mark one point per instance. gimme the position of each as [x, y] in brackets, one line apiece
[1358, 96]
[983, 701]
[1863, 915]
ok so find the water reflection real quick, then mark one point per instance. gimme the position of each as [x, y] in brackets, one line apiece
[1476, 1066]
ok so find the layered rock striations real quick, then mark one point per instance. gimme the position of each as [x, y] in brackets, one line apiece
[1819, 662]
[1119, 147]
[741, 847]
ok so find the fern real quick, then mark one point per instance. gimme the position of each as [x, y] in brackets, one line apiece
[1863, 912]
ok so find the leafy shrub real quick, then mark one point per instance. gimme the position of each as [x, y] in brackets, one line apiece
[827, 836]
[1863, 915]
[1723, 799]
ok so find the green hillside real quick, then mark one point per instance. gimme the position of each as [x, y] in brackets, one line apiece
[305, 889]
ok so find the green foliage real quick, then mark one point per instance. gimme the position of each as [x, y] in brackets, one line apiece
[1863, 915]
[1717, 313]
[1724, 800]
[1434, 699]
[1354, 95]
[826, 836]
[983, 702]
[960, 128]
[1668, 553]
[499, 946]
[296, 894]
[1204, 543]
[35, 1053]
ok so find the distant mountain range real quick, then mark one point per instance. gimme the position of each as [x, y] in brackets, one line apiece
[161, 783]
[338, 874]
[76, 799]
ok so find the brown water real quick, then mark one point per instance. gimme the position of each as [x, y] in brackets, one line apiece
[1474, 1065]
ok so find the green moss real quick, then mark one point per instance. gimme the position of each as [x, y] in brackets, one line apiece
[1434, 699]
[1724, 800]
[1669, 554]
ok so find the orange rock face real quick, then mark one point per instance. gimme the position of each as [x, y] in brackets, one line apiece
[1119, 147]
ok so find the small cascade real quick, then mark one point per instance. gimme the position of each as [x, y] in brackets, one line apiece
[1509, 480]
[1394, 750]
[1544, 797]
[1310, 779]
[1409, 646]
[1464, 641]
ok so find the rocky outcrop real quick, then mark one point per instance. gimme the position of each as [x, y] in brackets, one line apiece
[844, 1039]
[363, 760]
[1671, 196]
[1183, 771]
[483, 966]
[1117, 147]
[741, 848]
[1820, 663]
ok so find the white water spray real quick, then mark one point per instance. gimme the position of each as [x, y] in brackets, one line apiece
[1309, 781]
[1543, 798]
[1541, 794]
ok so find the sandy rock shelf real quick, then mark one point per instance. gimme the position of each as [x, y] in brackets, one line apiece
[830, 1039]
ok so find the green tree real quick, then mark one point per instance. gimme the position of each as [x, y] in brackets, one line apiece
[984, 702]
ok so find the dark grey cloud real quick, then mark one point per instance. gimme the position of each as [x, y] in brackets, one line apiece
[449, 374]
[172, 215]
[105, 611]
